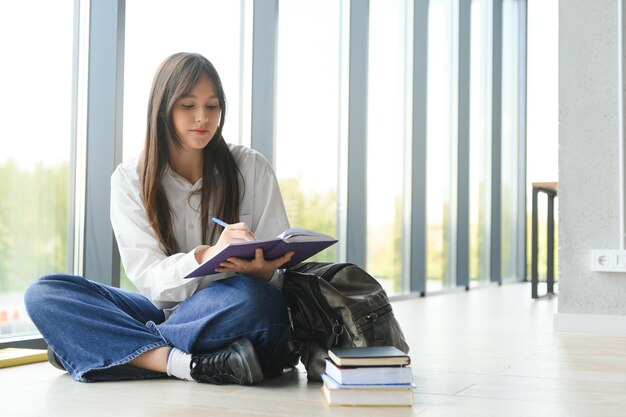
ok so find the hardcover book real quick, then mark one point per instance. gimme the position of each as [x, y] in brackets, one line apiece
[369, 356]
[366, 395]
[369, 374]
[305, 243]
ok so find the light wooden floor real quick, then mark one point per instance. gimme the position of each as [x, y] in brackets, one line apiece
[487, 352]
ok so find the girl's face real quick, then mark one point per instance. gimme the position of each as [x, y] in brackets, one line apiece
[196, 116]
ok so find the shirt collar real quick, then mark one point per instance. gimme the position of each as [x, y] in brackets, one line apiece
[182, 181]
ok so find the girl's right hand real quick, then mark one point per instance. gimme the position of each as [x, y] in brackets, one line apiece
[237, 232]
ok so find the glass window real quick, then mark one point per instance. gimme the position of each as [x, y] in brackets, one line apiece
[36, 119]
[221, 39]
[442, 110]
[543, 117]
[387, 135]
[510, 137]
[480, 138]
[147, 45]
[307, 114]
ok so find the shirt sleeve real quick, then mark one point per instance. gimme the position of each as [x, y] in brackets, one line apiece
[156, 275]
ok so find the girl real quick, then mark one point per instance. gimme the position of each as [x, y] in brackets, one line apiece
[230, 327]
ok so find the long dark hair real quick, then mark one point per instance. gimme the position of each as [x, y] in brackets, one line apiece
[175, 78]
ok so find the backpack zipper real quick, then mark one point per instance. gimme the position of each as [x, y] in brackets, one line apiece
[298, 303]
[335, 319]
[372, 318]
[335, 329]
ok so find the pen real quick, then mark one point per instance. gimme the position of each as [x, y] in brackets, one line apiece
[224, 224]
[218, 221]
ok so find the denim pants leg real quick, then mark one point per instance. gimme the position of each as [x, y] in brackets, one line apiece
[230, 309]
[95, 329]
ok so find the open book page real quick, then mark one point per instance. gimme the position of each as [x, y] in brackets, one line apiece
[303, 235]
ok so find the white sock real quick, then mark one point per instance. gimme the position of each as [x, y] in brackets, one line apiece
[178, 364]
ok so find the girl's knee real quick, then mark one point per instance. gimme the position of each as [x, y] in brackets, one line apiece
[250, 301]
[38, 289]
[42, 292]
[264, 301]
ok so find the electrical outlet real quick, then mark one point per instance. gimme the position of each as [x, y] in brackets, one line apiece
[608, 260]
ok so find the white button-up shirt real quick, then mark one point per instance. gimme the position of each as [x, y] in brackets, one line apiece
[160, 277]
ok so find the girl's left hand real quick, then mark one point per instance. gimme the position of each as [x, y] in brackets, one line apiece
[257, 267]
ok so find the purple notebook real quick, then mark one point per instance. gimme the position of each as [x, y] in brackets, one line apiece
[305, 243]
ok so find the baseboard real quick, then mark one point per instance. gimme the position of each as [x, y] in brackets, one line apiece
[590, 323]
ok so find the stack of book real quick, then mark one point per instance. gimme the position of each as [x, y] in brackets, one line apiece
[368, 376]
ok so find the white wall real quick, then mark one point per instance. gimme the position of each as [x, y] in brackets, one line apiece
[588, 167]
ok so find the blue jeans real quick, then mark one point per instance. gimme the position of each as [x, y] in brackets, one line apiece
[95, 330]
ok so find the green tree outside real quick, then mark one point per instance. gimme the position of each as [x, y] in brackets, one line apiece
[33, 223]
[311, 211]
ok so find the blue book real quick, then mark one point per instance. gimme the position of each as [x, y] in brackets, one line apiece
[331, 383]
[369, 374]
[366, 395]
[305, 243]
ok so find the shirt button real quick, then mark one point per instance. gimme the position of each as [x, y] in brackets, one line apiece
[190, 226]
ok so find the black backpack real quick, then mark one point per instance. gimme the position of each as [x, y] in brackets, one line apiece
[337, 305]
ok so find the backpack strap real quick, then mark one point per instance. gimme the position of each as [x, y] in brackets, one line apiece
[334, 268]
[293, 350]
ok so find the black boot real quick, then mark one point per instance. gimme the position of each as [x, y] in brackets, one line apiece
[237, 363]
